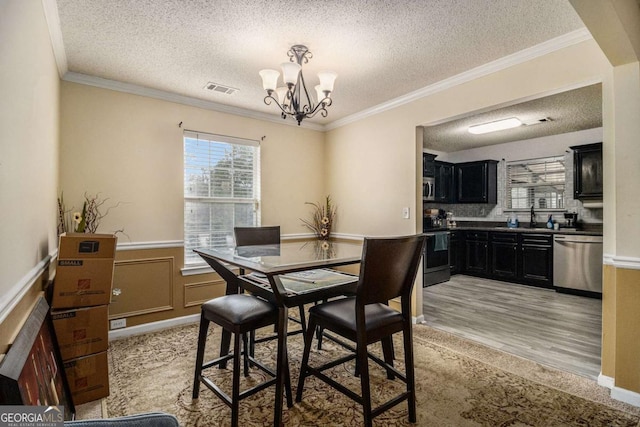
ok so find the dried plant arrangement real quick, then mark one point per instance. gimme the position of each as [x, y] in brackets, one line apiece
[86, 221]
[322, 218]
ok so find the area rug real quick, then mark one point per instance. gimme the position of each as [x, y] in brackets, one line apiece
[459, 383]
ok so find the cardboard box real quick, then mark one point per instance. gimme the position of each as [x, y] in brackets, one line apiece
[82, 283]
[81, 331]
[88, 377]
[87, 245]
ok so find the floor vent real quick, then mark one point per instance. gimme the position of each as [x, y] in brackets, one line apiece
[216, 87]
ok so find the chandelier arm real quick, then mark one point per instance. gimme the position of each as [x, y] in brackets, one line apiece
[269, 99]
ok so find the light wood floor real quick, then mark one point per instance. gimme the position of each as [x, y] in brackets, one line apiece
[559, 330]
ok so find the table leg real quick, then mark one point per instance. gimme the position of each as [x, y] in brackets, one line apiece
[282, 365]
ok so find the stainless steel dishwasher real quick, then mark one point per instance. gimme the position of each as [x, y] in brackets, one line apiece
[577, 262]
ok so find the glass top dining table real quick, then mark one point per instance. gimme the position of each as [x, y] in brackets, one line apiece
[272, 266]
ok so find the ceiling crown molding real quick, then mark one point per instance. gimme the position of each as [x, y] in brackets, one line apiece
[566, 40]
[53, 23]
[180, 99]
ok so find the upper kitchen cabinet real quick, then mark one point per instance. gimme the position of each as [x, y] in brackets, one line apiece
[587, 171]
[428, 165]
[476, 182]
[444, 182]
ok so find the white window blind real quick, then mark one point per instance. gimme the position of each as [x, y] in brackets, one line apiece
[221, 189]
[536, 182]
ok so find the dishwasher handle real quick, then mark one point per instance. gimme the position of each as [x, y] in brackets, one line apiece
[563, 239]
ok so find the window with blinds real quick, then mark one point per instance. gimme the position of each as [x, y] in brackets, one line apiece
[537, 182]
[221, 189]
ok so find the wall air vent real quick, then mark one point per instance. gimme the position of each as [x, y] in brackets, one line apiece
[536, 121]
[216, 87]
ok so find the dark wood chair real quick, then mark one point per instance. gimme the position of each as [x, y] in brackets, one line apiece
[267, 235]
[388, 270]
[237, 314]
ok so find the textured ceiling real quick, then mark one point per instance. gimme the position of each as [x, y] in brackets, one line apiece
[568, 111]
[381, 49]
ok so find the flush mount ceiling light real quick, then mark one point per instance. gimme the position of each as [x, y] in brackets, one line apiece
[294, 99]
[495, 126]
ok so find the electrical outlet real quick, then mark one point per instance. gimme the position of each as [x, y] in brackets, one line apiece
[405, 213]
[118, 323]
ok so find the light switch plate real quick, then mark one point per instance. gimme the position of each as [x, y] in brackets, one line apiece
[405, 213]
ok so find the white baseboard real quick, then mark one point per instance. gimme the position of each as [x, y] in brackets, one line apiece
[626, 396]
[153, 326]
[417, 319]
[606, 381]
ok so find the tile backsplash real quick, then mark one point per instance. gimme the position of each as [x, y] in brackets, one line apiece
[497, 212]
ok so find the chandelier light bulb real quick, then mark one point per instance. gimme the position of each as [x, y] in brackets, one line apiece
[327, 79]
[269, 79]
[290, 71]
[283, 97]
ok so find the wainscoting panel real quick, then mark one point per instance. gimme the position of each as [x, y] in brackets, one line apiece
[142, 286]
[197, 293]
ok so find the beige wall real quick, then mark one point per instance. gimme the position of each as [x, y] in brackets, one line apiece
[371, 163]
[29, 116]
[129, 149]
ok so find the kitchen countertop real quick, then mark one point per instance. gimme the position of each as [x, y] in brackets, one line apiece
[525, 229]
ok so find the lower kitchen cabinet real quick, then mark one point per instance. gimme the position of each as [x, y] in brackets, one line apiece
[537, 259]
[504, 256]
[456, 251]
[476, 252]
[523, 257]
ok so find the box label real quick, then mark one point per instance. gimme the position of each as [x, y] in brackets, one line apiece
[70, 262]
[88, 246]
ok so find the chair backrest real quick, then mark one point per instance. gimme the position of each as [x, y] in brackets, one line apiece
[388, 268]
[249, 236]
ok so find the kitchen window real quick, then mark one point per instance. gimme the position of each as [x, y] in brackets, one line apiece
[221, 189]
[536, 182]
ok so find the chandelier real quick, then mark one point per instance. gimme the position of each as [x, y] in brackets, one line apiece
[294, 99]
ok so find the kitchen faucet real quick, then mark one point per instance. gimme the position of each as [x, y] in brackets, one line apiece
[532, 222]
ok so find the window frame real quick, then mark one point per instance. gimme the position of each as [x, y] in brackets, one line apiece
[508, 200]
[204, 162]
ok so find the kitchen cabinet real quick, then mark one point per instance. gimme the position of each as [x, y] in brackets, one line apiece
[428, 165]
[587, 171]
[444, 180]
[476, 254]
[456, 251]
[536, 259]
[519, 257]
[476, 182]
[504, 256]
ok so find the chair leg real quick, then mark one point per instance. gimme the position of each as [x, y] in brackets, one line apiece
[387, 350]
[245, 354]
[409, 371]
[308, 338]
[235, 393]
[202, 339]
[252, 343]
[364, 381]
[225, 342]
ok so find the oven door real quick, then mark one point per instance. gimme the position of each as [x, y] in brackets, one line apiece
[436, 258]
[437, 250]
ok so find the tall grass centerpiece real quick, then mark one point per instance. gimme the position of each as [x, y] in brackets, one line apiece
[322, 218]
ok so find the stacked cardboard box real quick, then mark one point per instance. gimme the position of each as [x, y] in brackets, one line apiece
[81, 294]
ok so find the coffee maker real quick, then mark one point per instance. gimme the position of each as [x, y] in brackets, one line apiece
[570, 220]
